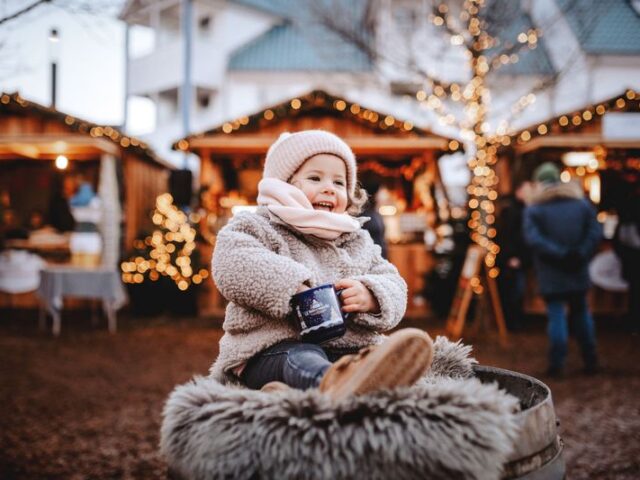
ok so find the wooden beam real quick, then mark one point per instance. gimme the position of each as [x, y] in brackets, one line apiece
[254, 144]
[48, 145]
[575, 141]
[21, 150]
[6, 156]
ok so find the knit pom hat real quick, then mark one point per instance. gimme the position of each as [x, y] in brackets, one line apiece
[291, 150]
[547, 173]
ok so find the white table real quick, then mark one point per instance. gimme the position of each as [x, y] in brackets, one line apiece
[59, 281]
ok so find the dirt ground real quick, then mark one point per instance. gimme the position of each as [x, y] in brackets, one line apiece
[88, 404]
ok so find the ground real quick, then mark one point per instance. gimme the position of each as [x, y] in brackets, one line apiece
[88, 404]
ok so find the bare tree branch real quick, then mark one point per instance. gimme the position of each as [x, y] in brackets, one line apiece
[19, 13]
[515, 47]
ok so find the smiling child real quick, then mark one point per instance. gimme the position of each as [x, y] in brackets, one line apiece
[303, 235]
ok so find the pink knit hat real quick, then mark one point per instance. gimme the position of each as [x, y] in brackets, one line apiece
[291, 150]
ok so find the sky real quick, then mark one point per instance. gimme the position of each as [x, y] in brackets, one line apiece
[91, 59]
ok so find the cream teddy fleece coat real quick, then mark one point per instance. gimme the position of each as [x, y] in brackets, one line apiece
[258, 264]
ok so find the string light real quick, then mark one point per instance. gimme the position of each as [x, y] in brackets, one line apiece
[406, 171]
[578, 119]
[177, 243]
[96, 131]
[474, 127]
[319, 98]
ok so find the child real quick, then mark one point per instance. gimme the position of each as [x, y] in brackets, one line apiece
[302, 236]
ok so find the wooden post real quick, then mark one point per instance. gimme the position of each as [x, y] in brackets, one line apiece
[475, 274]
[492, 287]
[462, 298]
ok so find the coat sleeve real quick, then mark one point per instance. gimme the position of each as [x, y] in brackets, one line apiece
[592, 234]
[250, 274]
[536, 239]
[389, 289]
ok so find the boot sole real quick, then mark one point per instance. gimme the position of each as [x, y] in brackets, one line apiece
[399, 362]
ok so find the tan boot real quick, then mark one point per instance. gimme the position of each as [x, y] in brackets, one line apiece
[399, 362]
[273, 387]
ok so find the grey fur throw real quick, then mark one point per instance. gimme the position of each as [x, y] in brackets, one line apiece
[449, 426]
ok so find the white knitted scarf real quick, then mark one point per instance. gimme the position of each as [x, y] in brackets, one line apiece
[292, 206]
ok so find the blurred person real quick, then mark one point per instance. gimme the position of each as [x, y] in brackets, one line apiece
[85, 242]
[561, 228]
[36, 220]
[514, 258]
[626, 242]
[60, 216]
[375, 226]
[10, 227]
[5, 200]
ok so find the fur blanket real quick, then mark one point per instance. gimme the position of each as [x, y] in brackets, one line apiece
[449, 426]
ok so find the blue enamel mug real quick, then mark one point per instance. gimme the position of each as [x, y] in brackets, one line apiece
[319, 313]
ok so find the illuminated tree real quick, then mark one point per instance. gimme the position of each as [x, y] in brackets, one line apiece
[413, 42]
[168, 251]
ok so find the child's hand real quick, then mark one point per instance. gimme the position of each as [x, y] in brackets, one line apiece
[356, 297]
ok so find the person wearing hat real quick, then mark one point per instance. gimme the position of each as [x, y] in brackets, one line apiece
[561, 228]
[305, 234]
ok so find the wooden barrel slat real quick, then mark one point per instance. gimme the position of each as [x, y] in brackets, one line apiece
[537, 452]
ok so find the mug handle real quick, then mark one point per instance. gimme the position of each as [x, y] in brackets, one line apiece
[345, 315]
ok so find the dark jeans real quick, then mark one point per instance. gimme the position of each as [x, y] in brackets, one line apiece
[299, 365]
[634, 302]
[512, 286]
[558, 329]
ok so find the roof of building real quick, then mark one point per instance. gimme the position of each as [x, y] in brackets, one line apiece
[530, 61]
[313, 101]
[301, 43]
[286, 48]
[577, 120]
[609, 27]
[130, 7]
[13, 102]
[279, 8]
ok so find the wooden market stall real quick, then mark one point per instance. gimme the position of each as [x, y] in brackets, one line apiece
[391, 151]
[597, 145]
[40, 148]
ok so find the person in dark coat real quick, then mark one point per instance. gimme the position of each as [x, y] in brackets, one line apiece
[561, 228]
[626, 243]
[375, 226]
[59, 214]
[514, 258]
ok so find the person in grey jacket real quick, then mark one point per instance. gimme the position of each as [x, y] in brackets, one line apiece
[301, 236]
[561, 228]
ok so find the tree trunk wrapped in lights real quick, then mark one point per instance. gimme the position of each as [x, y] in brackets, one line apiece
[480, 37]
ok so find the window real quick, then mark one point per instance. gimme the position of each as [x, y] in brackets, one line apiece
[204, 23]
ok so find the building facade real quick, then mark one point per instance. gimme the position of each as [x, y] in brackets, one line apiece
[248, 54]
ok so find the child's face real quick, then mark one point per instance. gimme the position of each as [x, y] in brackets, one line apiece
[323, 179]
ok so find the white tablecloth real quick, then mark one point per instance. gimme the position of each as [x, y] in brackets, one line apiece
[59, 281]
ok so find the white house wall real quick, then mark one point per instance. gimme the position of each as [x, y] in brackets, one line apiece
[613, 74]
[236, 26]
[162, 68]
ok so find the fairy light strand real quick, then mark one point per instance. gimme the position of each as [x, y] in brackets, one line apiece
[96, 131]
[378, 120]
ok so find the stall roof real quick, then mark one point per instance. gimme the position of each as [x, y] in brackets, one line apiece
[82, 136]
[604, 28]
[568, 129]
[239, 135]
